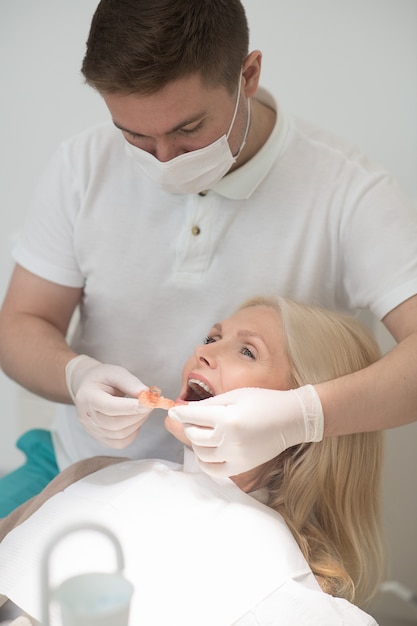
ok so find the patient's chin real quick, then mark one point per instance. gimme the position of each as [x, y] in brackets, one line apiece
[176, 428]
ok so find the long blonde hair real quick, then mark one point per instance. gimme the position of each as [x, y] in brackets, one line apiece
[329, 492]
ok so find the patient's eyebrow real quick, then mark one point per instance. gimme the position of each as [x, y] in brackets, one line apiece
[243, 333]
[250, 333]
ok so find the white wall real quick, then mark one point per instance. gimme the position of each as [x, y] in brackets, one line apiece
[350, 65]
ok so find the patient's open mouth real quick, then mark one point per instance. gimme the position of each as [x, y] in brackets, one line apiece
[198, 390]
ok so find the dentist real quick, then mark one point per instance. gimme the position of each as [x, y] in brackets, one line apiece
[199, 192]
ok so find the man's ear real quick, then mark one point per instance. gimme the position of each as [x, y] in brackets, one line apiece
[251, 72]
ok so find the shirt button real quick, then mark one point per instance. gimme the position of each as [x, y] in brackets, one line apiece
[196, 230]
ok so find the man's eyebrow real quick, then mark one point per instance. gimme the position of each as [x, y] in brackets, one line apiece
[185, 122]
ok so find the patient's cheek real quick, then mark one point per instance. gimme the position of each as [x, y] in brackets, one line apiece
[176, 428]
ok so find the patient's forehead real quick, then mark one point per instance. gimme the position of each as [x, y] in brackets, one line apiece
[263, 318]
[263, 321]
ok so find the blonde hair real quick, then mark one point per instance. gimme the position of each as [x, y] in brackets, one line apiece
[329, 492]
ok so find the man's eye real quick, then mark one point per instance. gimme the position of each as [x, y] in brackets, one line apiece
[247, 352]
[135, 136]
[191, 131]
[209, 339]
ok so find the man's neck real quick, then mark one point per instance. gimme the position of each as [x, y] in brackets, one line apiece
[263, 120]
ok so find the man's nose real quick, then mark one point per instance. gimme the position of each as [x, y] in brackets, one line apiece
[167, 149]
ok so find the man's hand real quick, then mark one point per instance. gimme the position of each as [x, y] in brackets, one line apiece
[99, 393]
[241, 429]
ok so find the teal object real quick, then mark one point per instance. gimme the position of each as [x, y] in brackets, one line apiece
[36, 472]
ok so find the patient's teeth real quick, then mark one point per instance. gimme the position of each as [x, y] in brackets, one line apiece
[200, 388]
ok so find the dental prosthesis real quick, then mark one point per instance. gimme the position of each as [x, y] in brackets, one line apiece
[153, 399]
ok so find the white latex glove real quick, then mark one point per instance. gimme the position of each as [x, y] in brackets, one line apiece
[241, 429]
[99, 393]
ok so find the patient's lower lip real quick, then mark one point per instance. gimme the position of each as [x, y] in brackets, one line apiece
[180, 401]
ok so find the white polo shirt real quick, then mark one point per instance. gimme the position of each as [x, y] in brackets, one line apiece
[308, 217]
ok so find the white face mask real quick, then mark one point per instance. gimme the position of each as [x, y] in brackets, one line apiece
[193, 171]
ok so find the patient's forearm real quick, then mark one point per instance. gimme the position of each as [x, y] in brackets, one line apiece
[381, 396]
[34, 354]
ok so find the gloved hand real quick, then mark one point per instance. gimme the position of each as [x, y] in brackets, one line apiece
[98, 392]
[241, 429]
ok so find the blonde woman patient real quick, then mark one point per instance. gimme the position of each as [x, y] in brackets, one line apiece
[327, 492]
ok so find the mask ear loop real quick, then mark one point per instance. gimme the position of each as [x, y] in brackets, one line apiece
[242, 145]
[246, 133]
[236, 105]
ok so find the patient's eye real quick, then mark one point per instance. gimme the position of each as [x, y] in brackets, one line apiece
[209, 339]
[246, 352]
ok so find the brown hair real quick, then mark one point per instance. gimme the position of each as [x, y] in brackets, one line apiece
[139, 46]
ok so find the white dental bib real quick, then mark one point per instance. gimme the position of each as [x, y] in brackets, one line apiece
[197, 550]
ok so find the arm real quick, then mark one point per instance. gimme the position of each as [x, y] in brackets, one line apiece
[34, 320]
[33, 351]
[384, 395]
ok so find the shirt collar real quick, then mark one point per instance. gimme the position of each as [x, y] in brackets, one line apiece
[241, 183]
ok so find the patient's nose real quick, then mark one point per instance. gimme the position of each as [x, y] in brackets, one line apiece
[206, 354]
